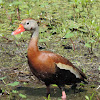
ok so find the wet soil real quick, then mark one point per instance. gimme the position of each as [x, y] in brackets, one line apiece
[14, 66]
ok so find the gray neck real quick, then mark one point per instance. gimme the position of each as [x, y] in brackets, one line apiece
[35, 32]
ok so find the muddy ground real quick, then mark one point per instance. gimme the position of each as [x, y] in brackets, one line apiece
[13, 65]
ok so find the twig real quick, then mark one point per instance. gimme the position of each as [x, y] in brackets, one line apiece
[91, 48]
[73, 44]
[4, 37]
[18, 13]
[45, 44]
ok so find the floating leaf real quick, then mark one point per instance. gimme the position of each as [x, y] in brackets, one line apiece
[13, 84]
[22, 95]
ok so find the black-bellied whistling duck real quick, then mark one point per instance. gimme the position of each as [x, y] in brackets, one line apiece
[47, 66]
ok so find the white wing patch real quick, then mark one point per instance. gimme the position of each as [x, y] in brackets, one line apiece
[70, 68]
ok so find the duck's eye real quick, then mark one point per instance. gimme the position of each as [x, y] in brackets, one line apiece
[27, 23]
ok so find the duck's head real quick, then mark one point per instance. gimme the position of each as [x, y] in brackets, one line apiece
[26, 25]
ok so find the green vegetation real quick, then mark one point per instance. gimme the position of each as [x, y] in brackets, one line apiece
[14, 84]
[63, 21]
[72, 18]
[89, 98]
[47, 98]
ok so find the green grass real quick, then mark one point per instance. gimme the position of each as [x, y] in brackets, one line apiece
[71, 19]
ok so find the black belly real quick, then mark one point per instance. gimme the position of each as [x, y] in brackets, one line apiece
[62, 77]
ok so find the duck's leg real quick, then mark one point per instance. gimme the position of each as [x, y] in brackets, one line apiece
[63, 92]
[48, 90]
[63, 95]
[74, 87]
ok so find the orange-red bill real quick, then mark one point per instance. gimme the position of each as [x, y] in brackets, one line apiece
[18, 30]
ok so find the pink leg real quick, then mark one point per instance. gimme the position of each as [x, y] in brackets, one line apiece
[63, 95]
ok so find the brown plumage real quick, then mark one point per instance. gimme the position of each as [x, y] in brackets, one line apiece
[47, 66]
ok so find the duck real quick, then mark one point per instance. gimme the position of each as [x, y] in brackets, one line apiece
[47, 66]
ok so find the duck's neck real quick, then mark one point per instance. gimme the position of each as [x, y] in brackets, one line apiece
[33, 48]
[35, 32]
